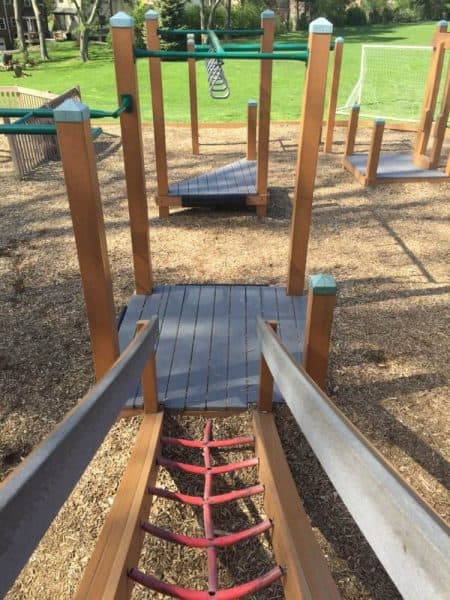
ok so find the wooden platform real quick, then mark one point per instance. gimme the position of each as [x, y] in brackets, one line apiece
[393, 167]
[208, 353]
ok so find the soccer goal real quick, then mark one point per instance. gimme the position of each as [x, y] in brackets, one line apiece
[391, 82]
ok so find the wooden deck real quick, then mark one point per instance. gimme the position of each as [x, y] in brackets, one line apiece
[208, 353]
[235, 179]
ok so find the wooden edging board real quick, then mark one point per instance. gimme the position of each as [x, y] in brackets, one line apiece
[411, 541]
[33, 494]
[307, 576]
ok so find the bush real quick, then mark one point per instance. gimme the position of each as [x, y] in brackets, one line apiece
[247, 16]
[387, 16]
[406, 15]
[374, 16]
[139, 10]
[356, 16]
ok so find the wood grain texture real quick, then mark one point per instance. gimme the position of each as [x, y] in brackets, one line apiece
[193, 103]
[133, 155]
[319, 322]
[374, 151]
[332, 101]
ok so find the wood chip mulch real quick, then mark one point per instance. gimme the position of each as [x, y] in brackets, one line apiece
[388, 249]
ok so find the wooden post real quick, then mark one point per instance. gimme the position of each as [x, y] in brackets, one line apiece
[251, 129]
[122, 28]
[151, 20]
[430, 98]
[80, 172]
[265, 95]
[319, 320]
[440, 126]
[193, 95]
[266, 381]
[148, 379]
[320, 32]
[375, 149]
[352, 129]
[332, 100]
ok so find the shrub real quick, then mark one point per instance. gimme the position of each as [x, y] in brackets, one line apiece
[406, 15]
[387, 16]
[356, 16]
[247, 16]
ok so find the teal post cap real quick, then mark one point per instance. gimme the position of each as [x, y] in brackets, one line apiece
[355, 106]
[121, 19]
[151, 15]
[268, 14]
[379, 121]
[339, 40]
[71, 111]
[320, 25]
[322, 285]
[252, 103]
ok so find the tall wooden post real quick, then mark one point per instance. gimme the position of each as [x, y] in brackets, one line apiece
[332, 100]
[265, 95]
[374, 151]
[351, 132]
[320, 32]
[251, 129]
[151, 20]
[193, 96]
[319, 321]
[122, 28]
[80, 172]
[148, 379]
[440, 126]
[265, 399]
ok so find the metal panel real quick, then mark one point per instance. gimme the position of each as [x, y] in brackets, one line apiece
[411, 541]
[32, 496]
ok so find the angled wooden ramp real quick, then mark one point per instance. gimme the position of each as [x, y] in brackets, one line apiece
[233, 186]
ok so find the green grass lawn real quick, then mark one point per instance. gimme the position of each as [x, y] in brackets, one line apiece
[96, 78]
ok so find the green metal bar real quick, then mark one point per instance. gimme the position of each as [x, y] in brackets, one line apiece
[220, 32]
[37, 129]
[280, 46]
[47, 113]
[301, 56]
[215, 41]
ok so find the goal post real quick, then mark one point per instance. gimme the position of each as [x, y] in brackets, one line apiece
[391, 83]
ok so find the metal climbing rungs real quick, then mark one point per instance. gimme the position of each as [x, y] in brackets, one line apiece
[217, 82]
[210, 542]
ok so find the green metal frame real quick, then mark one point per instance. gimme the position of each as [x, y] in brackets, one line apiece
[299, 56]
[219, 32]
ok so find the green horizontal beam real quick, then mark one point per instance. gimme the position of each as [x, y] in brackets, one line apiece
[278, 46]
[215, 41]
[219, 32]
[36, 129]
[47, 113]
[301, 56]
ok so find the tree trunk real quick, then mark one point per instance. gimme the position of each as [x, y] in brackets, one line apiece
[84, 43]
[20, 33]
[41, 33]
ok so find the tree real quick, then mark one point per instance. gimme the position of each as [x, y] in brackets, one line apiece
[171, 15]
[41, 32]
[87, 13]
[20, 31]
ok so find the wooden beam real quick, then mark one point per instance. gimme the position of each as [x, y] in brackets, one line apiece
[319, 321]
[266, 381]
[411, 541]
[351, 132]
[251, 129]
[374, 152]
[83, 191]
[32, 495]
[441, 124]
[122, 30]
[149, 379]
[296, 549]
[308, 149]
[159, 132]
[119, 544]
[265, 98]
[334, 91]
[193, 103]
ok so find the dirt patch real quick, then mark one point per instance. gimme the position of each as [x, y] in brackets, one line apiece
[387, 248]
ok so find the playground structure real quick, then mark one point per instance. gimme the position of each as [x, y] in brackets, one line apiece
[378, 167]
[388, 511]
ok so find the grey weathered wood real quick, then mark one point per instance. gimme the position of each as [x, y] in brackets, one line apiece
[32, 496]
[235, 178]
[394, 164]
[198, 376]
[179, 374]
[237, 375]
[253, 310]
[287, 323]
[132, 315]
[218, 361]
[411, 541]
[299, 304]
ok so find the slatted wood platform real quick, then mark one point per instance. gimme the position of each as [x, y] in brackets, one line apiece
[396, 167]
[208, 355]
[235, 179]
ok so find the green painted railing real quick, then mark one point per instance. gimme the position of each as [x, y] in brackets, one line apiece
[219, 32]
[300, 56]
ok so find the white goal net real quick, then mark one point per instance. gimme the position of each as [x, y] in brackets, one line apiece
[391, 82]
